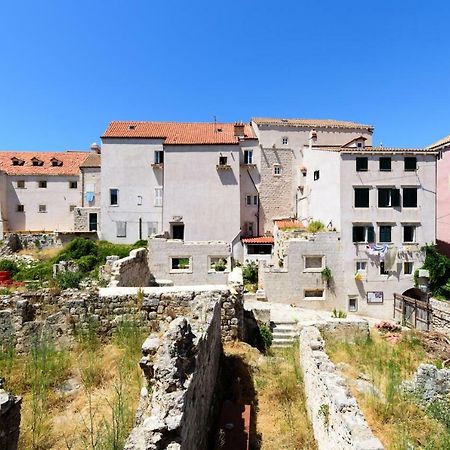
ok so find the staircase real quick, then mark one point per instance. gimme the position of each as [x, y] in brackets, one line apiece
[285, 334]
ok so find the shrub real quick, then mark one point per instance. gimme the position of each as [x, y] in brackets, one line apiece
[87, 263]
[39, 272]
[338, 314]
[78, 248]
[315, 226]
[266, 336]
[439, 267]
[250, 273]
[220, 265]
[10, 266]
[140, 243]
[69, 280]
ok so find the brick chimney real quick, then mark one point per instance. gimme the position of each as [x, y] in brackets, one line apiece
[239, 128]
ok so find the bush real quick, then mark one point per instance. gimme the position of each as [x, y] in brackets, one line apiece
[250, 273]
[10, 266]
[39, 272]
[315, 226]
[69, 280]
[439, 267]
[220, 265]
[76, 249]
[87, 263]
[266, 336]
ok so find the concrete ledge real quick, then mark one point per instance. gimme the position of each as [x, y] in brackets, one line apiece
[124, 291]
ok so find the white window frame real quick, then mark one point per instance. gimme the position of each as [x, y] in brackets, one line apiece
[414, 241]
[117, 196]
[285, 140]
[248, 156]
[186, 270]
[277, 170]
[159, 193]
[313, 269]
[353, 297]
[210, 264]
[313, 298]
[360, 270]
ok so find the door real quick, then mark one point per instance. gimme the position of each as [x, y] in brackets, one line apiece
[178, 231]
[93, 222]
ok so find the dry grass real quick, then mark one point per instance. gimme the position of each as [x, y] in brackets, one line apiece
[41, 254]
[392, 416]
[281, 418]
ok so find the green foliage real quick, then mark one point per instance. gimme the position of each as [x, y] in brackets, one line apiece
[76, 249]
[41, 271]
[324, 411]
[10, 266]
[69, 280]
[87, 263]
[220, 265]
[439, 267]
[338, 314]
[266, 336]
[439, 409]
[4, 291]
[140, 243]
[250, 273]
[315, 226]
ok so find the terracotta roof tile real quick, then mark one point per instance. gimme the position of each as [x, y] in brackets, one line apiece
[71, 162]
[369, 149]
[440, 143]
[311, 123]
[178, 133]
[258, 240]
[288, 223]
[93, 160]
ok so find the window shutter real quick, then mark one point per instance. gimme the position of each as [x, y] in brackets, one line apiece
[395, 197]
[355, 234]
[370, 234]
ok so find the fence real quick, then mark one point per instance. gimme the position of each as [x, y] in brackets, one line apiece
[413, 313]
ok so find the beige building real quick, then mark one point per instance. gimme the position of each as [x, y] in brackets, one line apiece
[40, 191]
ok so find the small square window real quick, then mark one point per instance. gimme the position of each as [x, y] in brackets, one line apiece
[21, 184]
[121, 229]
[42, 184]
[218, 263]
[362, 197]
[73, 184]
[114, 197]
[409, 232]
[277, 169]
[408, 267]
[223, 160]
[316, 175]
[313, 263]
[20, 208]
[159, 157]
[353, 304]
[385, 233]
[410, 163]
[362, 164]
[385, 164]
[361, 266]
[180, 263]
[285, 141]
[359, 144]
[72, 208]
[248, 156]
[42, 208]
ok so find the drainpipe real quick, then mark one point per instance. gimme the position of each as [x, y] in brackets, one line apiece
[257, 214]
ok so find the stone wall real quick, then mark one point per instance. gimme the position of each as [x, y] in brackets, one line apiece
[132, 270]
[337, 420]
[81, 217]
[161, 252]
[181, 366]
[441, 315]
[9, 420]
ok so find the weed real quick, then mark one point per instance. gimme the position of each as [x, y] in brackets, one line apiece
[315, 226]
[266, 336]
[250, 273]
[324, 411]
[69, 279]
[338, 314]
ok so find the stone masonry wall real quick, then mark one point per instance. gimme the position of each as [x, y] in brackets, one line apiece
[81, 217]
[441, 315]
[132, 270]
[9, 420]
[181, 366]
[337, 420]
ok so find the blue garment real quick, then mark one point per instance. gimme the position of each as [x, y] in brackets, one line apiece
[89, 197]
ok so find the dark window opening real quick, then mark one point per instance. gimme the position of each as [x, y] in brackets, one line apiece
[159, 157]
[177, 231]
[385, 164]
[388, 197]
[362, 197]
[316, 175]
[362, 164]
[385, 233]
[223, 160]
[410, 163]
[114, 197]
[408, 233]
[259, 249]
[382, 270]
[410, 197]
[93, 222]
[180, 263]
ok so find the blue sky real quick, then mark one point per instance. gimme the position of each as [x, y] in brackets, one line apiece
[69, 67]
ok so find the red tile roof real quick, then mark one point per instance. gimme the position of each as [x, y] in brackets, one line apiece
[441, 143]
[258, 240]
[71, 162]
[178, 133]
[311, 123]
[289, 223]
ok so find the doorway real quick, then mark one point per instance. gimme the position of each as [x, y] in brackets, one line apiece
[177, 231]
[93, 221]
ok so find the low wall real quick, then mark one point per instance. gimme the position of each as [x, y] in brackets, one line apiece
[182, 368]
[336, 418]
[9, 420]
[441, 315]
[132, 270]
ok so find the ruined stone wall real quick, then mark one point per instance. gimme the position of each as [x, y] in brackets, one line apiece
[336, 418]
[181, 366]
[441, 315]
[9, 420]
[132, 270]
[81, 217]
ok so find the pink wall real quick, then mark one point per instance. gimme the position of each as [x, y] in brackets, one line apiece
[443, 202]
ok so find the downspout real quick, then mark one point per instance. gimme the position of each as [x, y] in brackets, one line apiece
[82, 188]
[257, 214]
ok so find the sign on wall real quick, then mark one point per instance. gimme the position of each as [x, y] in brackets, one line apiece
[375, 297]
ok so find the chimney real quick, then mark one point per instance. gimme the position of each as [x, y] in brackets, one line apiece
[95, 148]
[239, 128]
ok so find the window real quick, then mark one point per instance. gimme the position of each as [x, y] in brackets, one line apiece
[72, 208]
[363, 233]
[114, 197]
[382, 271]
[316, 175]
[362, 197]
[177, 231]
[313, 263]
[152, 228]
[93, 221]
[410, 163]
[56, 162]
[20, 208]
[359, 144]
[37, 162]
[139, 200]
[361, 266]
[21, 184]
[218, 263]
[42, 208]
[73, 184]
[362, 164]
[314, 294]
[180, 263]
[158, 196]
[385, 164]
[42, 184]
[410, 197]
[408, 267]
[251, 200]
[259, 249]
[285, 140]
[223, 160]
[277, 169]
[353, 304]
[248, 156]
[121, 229]
[249, 227]
[409, 233]
[159, 157]
[17, 162]
[385, 233]
[388, 197]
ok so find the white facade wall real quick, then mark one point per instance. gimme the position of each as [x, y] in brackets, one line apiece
[58, 198]
[127, 166]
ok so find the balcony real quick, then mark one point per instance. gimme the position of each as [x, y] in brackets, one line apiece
[158, 166]
[223, 167]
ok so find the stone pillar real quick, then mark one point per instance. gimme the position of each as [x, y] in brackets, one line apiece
[9, 420]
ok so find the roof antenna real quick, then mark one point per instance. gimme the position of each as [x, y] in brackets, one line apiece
[215, 124]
